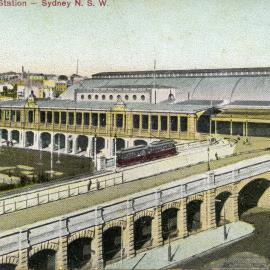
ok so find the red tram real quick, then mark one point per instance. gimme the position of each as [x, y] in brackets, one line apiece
[143, 153]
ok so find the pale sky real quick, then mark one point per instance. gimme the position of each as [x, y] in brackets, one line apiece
[130, 34]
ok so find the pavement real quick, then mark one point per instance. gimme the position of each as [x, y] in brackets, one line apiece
[185, 249]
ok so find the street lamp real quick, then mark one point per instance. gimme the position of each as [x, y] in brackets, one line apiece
[58, 152]
[224, 222]
[115, 156]
[208, 158]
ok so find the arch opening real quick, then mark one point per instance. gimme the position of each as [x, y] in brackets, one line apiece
[45, 140]
[100, 144]
[42, 260]
[142, 232]
[120, 144]
[79, 253]
[4, 135]
[112, 243]
[222, 208]
[169, 223]
[29, 138]
[252, 195]
[82, 143]
[15, 136]
[194, 216]
[59, 141]
[7, 266]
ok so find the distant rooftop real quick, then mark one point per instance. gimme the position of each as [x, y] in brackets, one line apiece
[185, 73]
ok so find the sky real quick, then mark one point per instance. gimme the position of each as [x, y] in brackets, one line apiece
[131, 34]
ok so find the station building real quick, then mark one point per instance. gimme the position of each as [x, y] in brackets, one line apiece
[122, 109]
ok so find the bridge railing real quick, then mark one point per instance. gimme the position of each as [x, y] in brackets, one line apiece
[51, 192]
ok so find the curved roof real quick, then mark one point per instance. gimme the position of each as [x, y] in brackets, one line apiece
[229, 88]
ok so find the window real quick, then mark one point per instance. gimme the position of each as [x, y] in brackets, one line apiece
[96, 97]
[111, 97]
[154, 122]
[63, 118]
[94, 119]
[145, 120]
[134, 97]
[42, 116]
[31, 116]
[82, 97]
[174, 123]
[7, 115]
[142, 97]
[86, 119]
[118, 97]
[78, 119]
[183, 123]
[49, 117]
[126, 97]
[103, 97]
[71, 118]
[13, 116]
[18, 116]
[164, 123]
[102, 119]
[56, 117]
[136, 121]
[119, 120]
[89, 97]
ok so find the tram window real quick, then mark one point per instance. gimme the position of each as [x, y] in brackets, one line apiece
[95, 119]
[56, 117]
[102, 119]
[119, 120]
[49, 117]
[42, 116]
[145, 120]
[71, 118]
[136, 121]
[63, 118]
[154, 122]
[183, 123]
[164, 122]
[86, 119]
[78, 118]
[174, 124]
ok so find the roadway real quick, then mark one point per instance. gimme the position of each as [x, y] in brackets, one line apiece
[65, 206]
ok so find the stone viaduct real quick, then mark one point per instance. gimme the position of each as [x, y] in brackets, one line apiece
[125, 227]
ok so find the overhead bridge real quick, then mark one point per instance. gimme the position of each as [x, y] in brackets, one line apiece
[111, 229]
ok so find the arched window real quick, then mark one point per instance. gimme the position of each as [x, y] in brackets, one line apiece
[103, 97]
[126, 97]
[118, 97]
[111, 97]
[143, 97]
[82, 97]
[134, 97]
[96, 96]
[89, 97]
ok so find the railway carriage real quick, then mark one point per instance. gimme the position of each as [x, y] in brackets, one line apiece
[143, 153]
